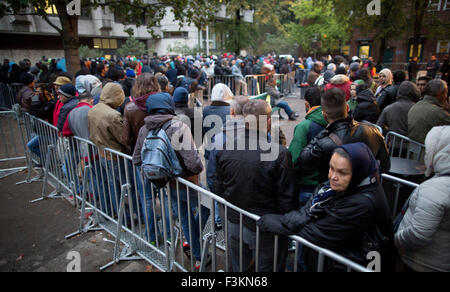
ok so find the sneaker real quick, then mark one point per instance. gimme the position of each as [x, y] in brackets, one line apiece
[198, 264]
[187, 249]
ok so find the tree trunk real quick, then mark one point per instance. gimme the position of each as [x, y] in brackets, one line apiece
[238, 26]
[420, 7]
[71, 41]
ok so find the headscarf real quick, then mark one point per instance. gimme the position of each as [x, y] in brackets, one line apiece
[389, 76]
[365, 169]
[160, 103]
[87, 83]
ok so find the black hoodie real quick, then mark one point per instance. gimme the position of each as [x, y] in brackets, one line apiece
[367, 108]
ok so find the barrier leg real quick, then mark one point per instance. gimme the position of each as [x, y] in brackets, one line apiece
[55, 194]
[128, 251]
[92, 224]
[30, 180]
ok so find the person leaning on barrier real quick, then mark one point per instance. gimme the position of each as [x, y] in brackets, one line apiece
[259, 187]
[341, 129]
[67, 96]
[26, 94]
[429, 112]
[105, 129]
[423, 236]
[395, 116]
[342, 210]
[77, 120]
[161, 110]
[136, 111]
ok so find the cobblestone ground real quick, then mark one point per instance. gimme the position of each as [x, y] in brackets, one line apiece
[32, 236]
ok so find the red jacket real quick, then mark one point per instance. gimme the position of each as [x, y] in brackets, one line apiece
[58, 107]
[67, 132]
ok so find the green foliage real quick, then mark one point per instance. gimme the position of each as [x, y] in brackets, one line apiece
[317, 21]
[86, 52]
[183, 49]
[132, 47]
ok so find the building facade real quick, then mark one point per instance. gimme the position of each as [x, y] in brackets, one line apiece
[30, 36]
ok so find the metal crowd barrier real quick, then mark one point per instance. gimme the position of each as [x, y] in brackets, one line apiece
[8, 95]
[399, 183]
[154, 225]
[254, 84]
[12, 145]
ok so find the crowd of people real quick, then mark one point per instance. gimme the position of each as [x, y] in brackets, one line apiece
[324, 186]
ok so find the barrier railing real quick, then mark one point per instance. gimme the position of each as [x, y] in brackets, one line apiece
[159, 226]
[12, 146]
[399, 183]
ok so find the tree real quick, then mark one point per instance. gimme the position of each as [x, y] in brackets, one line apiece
[318, 28]
[132, 47]
[132, 12]
[86, 52]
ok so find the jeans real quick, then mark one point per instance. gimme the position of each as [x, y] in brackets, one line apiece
[284, 105]
[266, 250]
[33, 145]
[146, 203]
[195, 231]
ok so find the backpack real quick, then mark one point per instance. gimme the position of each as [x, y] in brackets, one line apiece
[160, 163]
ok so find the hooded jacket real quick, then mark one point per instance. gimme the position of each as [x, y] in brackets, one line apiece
[425, 115]
[304, 132]
[105, 122]
[133, 120]
[236, 70]
[189, 157]
[395, 116]
[342, 82]
[423, 236]
[367, 109]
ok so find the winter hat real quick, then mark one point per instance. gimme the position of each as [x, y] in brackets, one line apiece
[221, 92]
[26, 78]
[160, 103]
[130, 73]
[68, 90]
[34, 70]
[341, 70]
[181, 96]
[354, 67]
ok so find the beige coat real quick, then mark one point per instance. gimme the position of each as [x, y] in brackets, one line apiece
[105, 122]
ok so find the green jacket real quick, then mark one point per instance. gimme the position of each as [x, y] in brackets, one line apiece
[304, 132]
[425, 115]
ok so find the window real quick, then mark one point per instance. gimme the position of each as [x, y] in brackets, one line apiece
[364, 51]
[176, 34]
[443, 47]
[105, 44]
[345, 50]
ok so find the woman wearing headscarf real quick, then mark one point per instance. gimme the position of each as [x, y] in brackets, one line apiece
[161, 110]
[423, 236]
[384, 94]
[342, 210]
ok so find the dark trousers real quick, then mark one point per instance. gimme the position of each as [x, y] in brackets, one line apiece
[266, 250]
